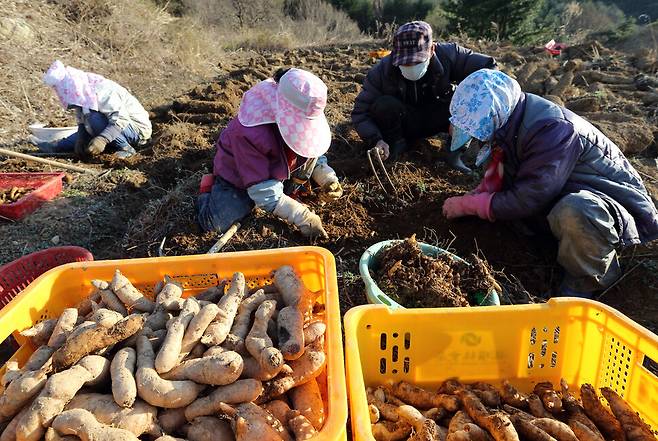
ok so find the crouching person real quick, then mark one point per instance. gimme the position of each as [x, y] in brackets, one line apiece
[546, 161]
[279, 137]
[109, 118]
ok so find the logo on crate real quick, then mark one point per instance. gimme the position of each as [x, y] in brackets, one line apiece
[471, 339]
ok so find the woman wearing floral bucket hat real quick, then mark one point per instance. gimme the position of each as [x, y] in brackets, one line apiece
[279, 136]
[555, 171]
[109, 117]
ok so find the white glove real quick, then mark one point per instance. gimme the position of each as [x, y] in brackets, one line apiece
[326, 178]
[298, 214]
[384, 149]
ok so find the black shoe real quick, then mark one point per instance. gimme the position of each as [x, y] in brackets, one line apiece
[454, 160]
[396, 148]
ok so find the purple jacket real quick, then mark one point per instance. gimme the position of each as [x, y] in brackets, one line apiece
[550, 151]
[249, 155]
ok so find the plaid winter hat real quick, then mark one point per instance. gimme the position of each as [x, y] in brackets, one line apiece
[412, 43]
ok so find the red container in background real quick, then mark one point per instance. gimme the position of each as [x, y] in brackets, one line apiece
[44, 186]
[17, 275]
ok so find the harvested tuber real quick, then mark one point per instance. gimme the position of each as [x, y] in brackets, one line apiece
[249, 422]
[425, 429]
[390, 431]
[634, 428]
[461, 427]
[40, 333]
[129, 295]
[170, 349]
[306, 398]
[64, 326]
[241, 391]
[576, 417]
[155, 390]
[242, 322]
[219, 329]
[260, 345]
[422, 399]
[141, 418]
[208, 428]
[109, 298]
[537, 408]
[122, 370]
[313, 331]
[82, 424]
[21, 391]
[301, 427]
[549, 397]
[196, 328]
[95, 338]
[279, 409]
[52, 435]
[557, 429]
[529, 431]
[600, 415]
[510, 395]
[387, 411]
[59, 389]
[106, 317]
[171, 420]
[169, 297]
[216, 370]
[497, 423]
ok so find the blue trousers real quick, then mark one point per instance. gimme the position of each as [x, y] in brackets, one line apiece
[125, 141]
[224, 205]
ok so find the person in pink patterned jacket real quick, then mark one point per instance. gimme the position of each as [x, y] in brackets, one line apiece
[278, 138]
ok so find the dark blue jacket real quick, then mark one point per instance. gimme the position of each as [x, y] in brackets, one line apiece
[550, 152]
[450, 64]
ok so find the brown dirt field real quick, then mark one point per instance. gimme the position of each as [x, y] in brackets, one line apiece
[128, 211]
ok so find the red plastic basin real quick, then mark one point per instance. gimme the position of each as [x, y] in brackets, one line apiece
[44, 186]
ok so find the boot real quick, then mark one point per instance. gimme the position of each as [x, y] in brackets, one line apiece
[454, 160]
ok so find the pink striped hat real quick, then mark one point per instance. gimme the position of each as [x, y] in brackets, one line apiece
[297, 105]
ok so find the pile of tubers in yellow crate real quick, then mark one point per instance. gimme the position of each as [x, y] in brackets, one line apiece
[226, 364]
[480, 412]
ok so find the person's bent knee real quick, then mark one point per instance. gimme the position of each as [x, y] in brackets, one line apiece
[572, 210]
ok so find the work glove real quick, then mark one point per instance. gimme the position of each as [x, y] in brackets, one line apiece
[469, 205]
[384, 149]
[299, 215]
[326, 178]
[207, 181]
[97, 146]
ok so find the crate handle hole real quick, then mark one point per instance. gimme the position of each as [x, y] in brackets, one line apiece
[382, 341]
[382, 365]
[405, 366]
[407, 340]
[650, 364]
[394, 354]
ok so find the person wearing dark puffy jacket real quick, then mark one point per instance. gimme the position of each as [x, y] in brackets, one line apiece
[406, 96]
[545, 160]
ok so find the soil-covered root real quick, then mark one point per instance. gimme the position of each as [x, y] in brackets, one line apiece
[196, 328]
[170, 349]
[208, 428]
[52, 435]
[536, 407]
[609, 426]
[497, 423]
[425, 429]
[219, 329]
[313, 331]
[63, 327]
[242, 323]
[260, 345]
[109, 298]
[301, 427]
[217, 370]
[154, 389]
[306, 398]
[557, 429]
[122, 369]
[95, 338]
[279, 410]
[423, 399]
[141, 418]
[250, 422]
[241, 391]
[390, 431]
[577, 419]
[511, 395]
[171, 420]
[106, 317]
[529, 431]
[549, 397]
[129, 295]
[81, 423]
[386, 410]
[40, 333]
[634, 428]
[59, 389]
[21, 391]
[462, 428]
[169, 296]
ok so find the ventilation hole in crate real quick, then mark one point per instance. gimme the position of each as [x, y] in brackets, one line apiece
[531, 360]
[382, 341]
[533, 336]
[395, 371]
[544, 347]
[616, 366]
[382, 365]
[545, 329]
[405, 365]
[541, 365]
[394, 354]
[553, 359]
[556, 334]
[368, 326]
[407, 340]
[395, 335]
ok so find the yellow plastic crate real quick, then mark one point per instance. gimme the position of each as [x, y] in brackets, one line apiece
[581, 341]
[66, 285]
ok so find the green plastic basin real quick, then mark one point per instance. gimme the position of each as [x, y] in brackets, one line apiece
[368, 263]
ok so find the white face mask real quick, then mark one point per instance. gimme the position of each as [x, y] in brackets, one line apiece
[415, 72]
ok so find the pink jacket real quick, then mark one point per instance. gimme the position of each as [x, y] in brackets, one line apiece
[249, 155]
